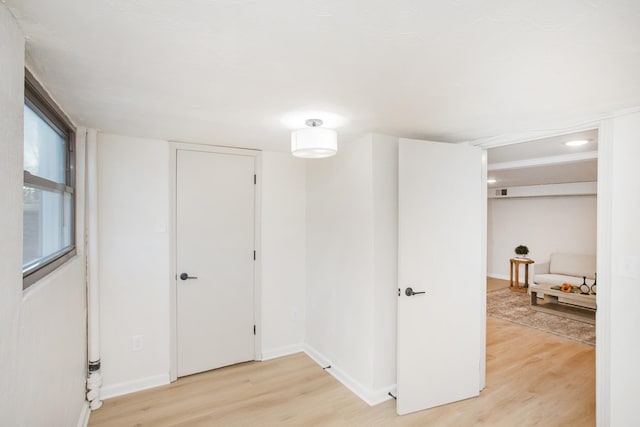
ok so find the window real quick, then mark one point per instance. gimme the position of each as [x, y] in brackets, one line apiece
[48, 188]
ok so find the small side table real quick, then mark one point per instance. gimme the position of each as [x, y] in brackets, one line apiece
[515, 263]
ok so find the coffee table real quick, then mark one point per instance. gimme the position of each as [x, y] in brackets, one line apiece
[572, 305]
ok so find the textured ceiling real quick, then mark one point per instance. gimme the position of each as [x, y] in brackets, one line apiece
[228, 71]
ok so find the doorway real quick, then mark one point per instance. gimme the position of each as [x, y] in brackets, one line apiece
[544, 197]
[542, 194]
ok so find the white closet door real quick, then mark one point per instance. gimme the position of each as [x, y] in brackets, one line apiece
[214, 248]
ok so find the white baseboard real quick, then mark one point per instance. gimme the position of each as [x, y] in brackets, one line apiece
[316, 356]
[285, 350]
[133, 386]
[498, 276]
[370, 396]
[83, 418]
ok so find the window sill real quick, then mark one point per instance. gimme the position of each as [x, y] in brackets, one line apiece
[64, 270]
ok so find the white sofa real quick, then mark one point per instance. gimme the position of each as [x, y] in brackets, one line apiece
[565, 268]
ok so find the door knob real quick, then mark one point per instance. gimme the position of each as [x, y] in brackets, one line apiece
[409, 292]
[185, 276]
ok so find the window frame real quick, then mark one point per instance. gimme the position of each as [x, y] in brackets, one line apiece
[37, 99]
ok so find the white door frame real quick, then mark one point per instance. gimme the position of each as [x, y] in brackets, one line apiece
[173, 337]
[603, 249]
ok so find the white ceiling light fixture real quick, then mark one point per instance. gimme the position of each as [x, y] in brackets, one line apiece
[314, 142]
[576, 143]
[491, 181]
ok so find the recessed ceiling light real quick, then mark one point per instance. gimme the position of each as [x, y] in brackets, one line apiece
[576, 143]
[491, 181]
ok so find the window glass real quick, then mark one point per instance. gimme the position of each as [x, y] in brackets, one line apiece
[44, 148]
[46, 225]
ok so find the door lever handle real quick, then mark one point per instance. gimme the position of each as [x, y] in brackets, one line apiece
[409, 292]
[185, 276]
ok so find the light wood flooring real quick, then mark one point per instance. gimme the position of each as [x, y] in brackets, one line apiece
[495, 284]
[533, 379]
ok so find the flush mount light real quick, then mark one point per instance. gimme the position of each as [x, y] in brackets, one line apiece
[576, 143]
[314, 142]
[491, 181]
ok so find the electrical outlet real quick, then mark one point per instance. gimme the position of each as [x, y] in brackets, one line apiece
[137, 343]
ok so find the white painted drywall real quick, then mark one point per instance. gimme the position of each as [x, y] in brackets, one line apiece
[43, 330]
[340, 259]
[625, 282]
[133, 204]
[544, 224]
[283, 253]
[352, 262]
[134, 269]
[385, 259]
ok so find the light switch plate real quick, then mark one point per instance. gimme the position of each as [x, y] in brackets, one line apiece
[629, 266]
[137, 343]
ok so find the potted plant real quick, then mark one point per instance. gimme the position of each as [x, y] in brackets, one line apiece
[522, 251]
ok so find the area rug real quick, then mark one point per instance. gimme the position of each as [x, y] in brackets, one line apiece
[515, 307]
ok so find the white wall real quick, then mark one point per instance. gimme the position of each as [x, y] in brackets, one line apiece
[133, 206]
[340, 259]
[135, 279]
[543, 224]
[43, 330]
[352, 262]
[625, 282]
[283, 253]
[385, 222]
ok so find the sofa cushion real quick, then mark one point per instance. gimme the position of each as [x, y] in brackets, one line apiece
[573, 265]
[559, 279]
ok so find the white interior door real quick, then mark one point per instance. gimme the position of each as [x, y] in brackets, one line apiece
[215, 249]
[440, 254]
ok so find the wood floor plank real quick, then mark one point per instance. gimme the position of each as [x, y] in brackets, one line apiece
[533, 379]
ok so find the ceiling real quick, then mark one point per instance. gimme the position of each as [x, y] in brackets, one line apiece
[245, 72]
[544, 161]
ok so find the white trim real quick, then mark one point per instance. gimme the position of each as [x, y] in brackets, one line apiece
[316, 356]
[83, 417]
[174, 146]
[499, 276]
[370, 396]
[483, 282]
[604, 268]
[542, 161]
[128, 387]
[173, 300]
[257, 265]
[285, 350]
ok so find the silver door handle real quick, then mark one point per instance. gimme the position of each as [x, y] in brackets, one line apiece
[409, 292]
